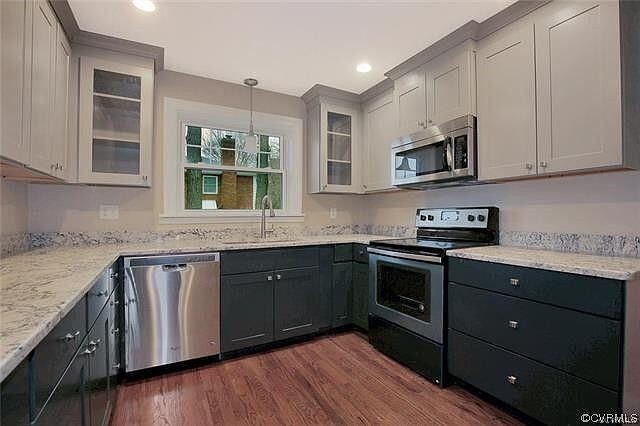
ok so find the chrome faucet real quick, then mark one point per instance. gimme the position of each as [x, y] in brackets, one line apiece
[263, 223]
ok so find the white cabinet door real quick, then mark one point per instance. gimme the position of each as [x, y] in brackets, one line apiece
[14, 142]
[578, 86]
[115, 126]
[507, 103]
[42, 87]
[379, 119]
[340, 149]
[451, 85]
[411, 103]
[60, 136]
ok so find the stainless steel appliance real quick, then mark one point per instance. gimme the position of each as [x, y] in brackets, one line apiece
[439, 154]
[407, 288]
[172, 309]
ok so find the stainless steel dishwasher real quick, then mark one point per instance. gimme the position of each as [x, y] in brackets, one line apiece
[172, 309]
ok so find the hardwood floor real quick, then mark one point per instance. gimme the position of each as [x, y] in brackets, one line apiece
[336, 379]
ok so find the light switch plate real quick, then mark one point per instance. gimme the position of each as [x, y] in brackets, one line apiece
[109, 212]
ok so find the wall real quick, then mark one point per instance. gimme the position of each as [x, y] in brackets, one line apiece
[75, 208]
[602, 203]
[13, 217]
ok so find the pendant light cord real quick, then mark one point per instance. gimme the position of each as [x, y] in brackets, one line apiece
[251, 110]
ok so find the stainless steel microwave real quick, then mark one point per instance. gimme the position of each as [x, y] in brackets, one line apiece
[439, 154]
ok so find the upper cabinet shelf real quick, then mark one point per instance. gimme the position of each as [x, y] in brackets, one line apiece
[115, 123]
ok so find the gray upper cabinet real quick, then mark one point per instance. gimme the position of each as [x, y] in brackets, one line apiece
[115, 123]
[379, 116]
[42, 87]
[61, 104]
[410, 98]
[451, 85]
[507, 103]
[578, 86]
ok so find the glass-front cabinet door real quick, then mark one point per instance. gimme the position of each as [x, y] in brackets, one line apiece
[339, 135]
[115, 123]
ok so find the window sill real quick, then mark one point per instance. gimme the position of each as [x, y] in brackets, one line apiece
[228, 217]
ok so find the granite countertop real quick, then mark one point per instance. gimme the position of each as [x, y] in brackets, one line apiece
[38, 288]
[617, 268]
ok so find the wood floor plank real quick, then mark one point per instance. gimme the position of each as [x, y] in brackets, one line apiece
[333, 380]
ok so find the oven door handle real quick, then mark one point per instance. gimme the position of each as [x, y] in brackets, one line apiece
[402, 255]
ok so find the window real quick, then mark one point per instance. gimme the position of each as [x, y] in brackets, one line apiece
[246, 175]
[211, 176]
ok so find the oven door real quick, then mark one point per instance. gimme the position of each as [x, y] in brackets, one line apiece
[407, 290]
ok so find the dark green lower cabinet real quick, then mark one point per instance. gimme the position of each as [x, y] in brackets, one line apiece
[14, 402]
[99, 366]
[361, 295]
[246, 310]
[296, 302]
[342, 294]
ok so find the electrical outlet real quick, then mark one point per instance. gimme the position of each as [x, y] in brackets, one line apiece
[332, 213]
[109, 212]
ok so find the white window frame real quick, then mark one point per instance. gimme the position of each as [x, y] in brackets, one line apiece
[178, 113]
[217, 181]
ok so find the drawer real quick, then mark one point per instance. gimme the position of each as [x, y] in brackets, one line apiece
[97, 297]
[245, 261]
[582, 344]
[343, 252]
[53, 354]
[360, 254]
[589, 294]
[542, 392]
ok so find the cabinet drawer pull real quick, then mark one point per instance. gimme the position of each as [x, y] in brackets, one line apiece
[512, 380]
[70, 336]
[114, 275]
[513, 324]
[116, 366]
[89, 351]
[278, 277]
[115, 331]
[514, 282]
[102, 293]
[270, 278]
[95, 343]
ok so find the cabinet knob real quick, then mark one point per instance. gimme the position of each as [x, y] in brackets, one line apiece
[430, 121]
[278, 277]
[513, 324]
[115, 331]
[528, 166]
[514, 282]
[543, 164]
[116, 366]
[114, 275]
[421, 123]
[269, 277]
[512, 380]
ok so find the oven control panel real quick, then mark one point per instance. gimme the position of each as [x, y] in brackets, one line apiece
[453, 218]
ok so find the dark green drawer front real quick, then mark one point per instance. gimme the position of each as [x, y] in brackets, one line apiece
[589, 294]
[343, 253]
[582, 344]
[244, 261]
[542, 392]
[52, 356]
[98, 297]
[360, 254]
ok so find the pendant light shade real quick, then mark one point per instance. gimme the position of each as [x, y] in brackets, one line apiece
[251, 140]
[404, 165]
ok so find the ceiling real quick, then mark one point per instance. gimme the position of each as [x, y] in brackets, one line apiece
[287, 45]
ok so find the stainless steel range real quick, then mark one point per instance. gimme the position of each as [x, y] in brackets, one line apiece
[407, 288]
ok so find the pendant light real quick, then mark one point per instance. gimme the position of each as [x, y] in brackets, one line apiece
[251, 140]
[404, 165]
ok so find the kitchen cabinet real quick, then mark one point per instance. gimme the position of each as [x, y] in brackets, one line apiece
[335, 153]
[552, 370]
[99, 368]
[15, 20]
[296, 307]
[60, 117]
[410, 98]
[246, 310]
[342, 294]
[115, 123]
[43, 65]
[14, 396]
[115, 344]
[578, 86]
[507, 103]
[379, 119]
[451, 85]
[360, 307]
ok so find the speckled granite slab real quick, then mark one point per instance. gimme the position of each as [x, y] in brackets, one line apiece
[617, 268]
[39, 287]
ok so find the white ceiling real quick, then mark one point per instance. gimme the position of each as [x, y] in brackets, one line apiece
[287, 45]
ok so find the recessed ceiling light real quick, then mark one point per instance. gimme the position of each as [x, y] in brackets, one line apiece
[146, 5]
[363, 67]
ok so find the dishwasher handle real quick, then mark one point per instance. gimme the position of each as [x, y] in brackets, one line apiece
[176, 267]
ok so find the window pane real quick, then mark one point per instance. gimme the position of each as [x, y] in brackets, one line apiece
[269, 155]
[234, 190]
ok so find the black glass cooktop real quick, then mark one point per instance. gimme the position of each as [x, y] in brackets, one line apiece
[423, 245]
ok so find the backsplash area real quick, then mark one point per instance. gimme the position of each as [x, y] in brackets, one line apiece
[597, 244]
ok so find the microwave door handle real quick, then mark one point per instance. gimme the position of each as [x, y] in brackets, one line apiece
[447, 154]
